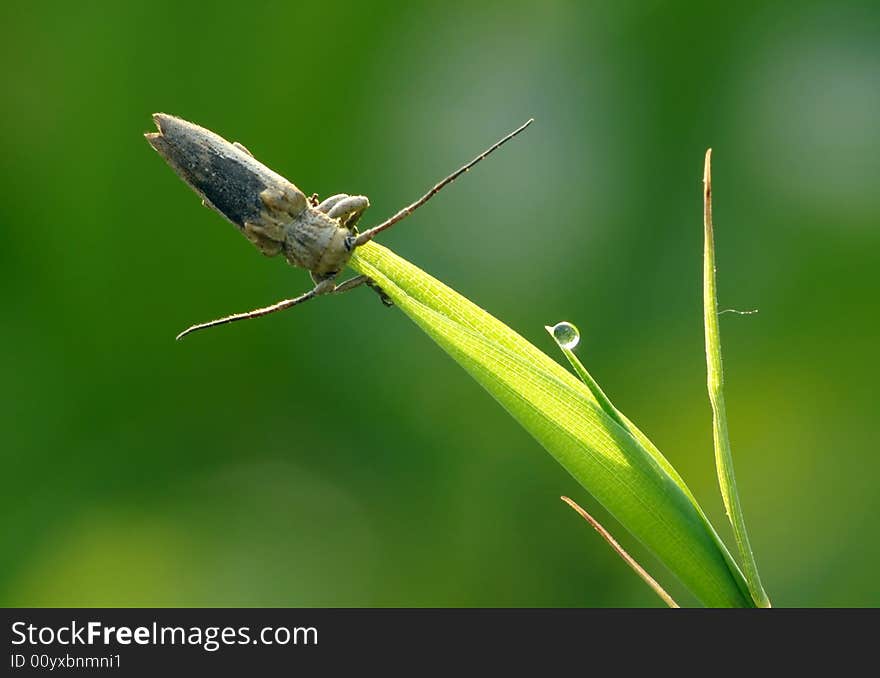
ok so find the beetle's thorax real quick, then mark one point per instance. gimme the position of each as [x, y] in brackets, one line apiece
[307, 237]
[317, 242]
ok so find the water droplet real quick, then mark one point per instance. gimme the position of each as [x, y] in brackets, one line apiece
[565, 334]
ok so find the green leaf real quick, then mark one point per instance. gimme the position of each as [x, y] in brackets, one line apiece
[715, 377]
[620, 468]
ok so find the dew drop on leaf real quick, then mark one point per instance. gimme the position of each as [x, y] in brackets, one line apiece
[565, 334]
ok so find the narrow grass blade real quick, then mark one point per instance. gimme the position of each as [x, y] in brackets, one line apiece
[627, 558]
[567, 337]
[715, 374]
[625, 475]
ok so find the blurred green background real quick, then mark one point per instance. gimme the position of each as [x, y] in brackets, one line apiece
[333, 455]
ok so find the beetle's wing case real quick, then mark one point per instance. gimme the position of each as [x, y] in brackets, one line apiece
[257, 200]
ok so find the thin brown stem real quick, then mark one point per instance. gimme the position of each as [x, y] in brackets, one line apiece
[627, 558]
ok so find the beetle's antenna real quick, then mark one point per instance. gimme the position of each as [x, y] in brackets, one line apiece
[371, 233]
[256, 313]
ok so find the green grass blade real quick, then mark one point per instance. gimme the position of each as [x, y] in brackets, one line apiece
[567, 338]
[565, 417]
[715, 375]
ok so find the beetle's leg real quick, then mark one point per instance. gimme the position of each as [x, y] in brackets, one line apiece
[325, 286]
[269, 239]
[327, 203]
[359, 280]
[386, 300]
[349, 210]
[349, 284]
